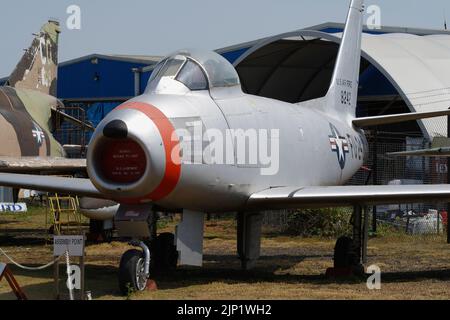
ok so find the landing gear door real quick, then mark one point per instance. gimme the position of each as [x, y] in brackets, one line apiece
[134, 221]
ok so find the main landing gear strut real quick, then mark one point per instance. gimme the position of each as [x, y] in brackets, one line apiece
[249, 238]
[152, 255]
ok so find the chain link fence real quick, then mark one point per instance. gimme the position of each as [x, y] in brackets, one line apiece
[414, 219]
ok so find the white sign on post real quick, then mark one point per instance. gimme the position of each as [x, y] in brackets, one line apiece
[73, 244]
[13, 207]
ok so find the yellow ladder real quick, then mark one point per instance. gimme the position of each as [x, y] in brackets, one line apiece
[63, 212]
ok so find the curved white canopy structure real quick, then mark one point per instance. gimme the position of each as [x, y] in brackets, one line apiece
[297, 66]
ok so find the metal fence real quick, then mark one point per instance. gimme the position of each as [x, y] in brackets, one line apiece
[71, 134]
[417, 218]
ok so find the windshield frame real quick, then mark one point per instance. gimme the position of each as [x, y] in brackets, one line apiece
[202, 70]
[191, 55]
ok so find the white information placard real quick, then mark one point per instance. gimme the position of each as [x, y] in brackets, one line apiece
[73, 244]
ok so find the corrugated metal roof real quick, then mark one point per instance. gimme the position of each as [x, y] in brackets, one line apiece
[383, 29]
[335, 27]
[126, 58]
[153, 59]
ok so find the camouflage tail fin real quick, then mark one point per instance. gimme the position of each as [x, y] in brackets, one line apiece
[37, 70]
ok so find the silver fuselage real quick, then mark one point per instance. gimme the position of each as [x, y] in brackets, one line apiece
[306, 153]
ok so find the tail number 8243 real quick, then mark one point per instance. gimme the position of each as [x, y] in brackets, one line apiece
[346, 97]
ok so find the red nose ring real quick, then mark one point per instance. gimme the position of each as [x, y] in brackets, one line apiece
[172, 172]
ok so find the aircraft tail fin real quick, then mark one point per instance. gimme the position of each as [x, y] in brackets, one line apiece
[37, 70]
[343, 92]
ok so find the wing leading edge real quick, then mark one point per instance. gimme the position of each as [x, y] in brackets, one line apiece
[341, 196]
[270, 199]
[73, 186]
[38, 164]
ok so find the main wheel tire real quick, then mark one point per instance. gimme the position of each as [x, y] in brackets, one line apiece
[344, 253]
[132, 275]
[164, 253]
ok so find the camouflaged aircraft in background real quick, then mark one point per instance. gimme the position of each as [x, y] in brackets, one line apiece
[29, 114]
[29, 109]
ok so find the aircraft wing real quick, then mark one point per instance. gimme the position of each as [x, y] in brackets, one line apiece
[41, 165]
[342, 196]
[72, 186]
[434, 152]
[398, 118]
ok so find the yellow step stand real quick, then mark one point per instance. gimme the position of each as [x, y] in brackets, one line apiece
[63, 215]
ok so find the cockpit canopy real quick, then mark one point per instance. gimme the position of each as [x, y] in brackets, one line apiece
[196, 69]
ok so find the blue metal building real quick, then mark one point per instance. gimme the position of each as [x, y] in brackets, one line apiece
[98, 83]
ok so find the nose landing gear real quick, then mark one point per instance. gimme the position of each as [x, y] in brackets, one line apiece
[134, 270]
[167, 250]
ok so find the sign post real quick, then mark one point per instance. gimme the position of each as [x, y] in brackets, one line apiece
[74, 246]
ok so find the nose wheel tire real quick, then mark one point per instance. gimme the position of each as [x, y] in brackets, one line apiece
[132, 275]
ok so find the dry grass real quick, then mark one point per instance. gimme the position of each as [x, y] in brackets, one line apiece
[290, 268]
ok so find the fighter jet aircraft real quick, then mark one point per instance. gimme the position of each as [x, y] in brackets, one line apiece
[28, 106]
[194, 143]
[29, 111]
[26, 103]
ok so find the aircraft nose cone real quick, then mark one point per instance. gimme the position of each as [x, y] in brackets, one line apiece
[116, 129]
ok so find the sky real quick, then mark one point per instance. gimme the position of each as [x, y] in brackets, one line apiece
[149, 27]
